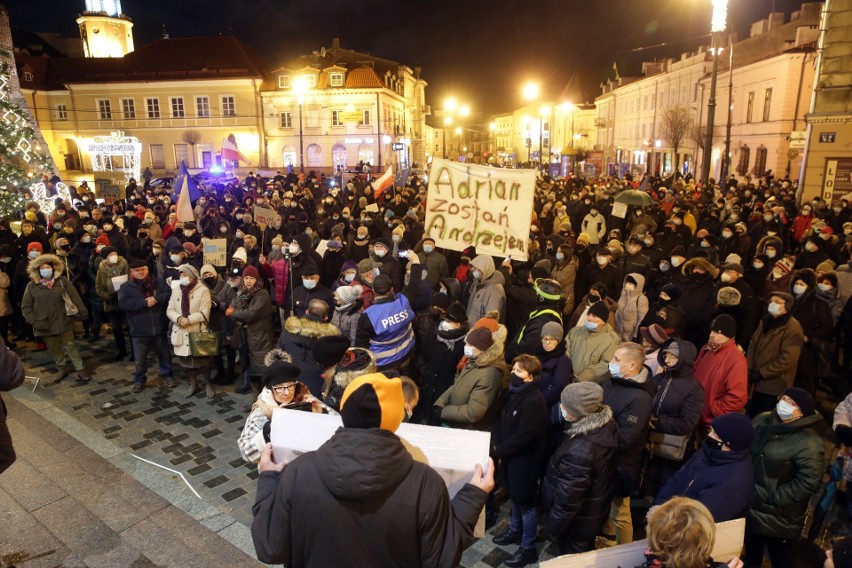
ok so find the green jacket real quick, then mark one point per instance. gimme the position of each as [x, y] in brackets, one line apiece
[43, 307]
[103, 282]
[774, 352]
[591, 352]
[788, 470]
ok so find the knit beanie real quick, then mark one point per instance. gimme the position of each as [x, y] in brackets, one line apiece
[373, 401]
[480, 338]
[102, 240]
[190, 270]
[348, 294]
[724, 325]
[734, 429]
[491, 324]
[728, 296]
[328, 351]
[35, 245]
[654, 334]
[251, 271]
[208, 270]
[600, 310]
[785, 265]
[672, 348]
[106, 251]
[583, 398]
[825, 266]
[802, 398]
[552, 329]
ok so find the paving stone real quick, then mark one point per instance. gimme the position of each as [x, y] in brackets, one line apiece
[78, 528]
[29, 488]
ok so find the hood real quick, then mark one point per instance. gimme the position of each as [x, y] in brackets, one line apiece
[343, 378]
[808, 276]
[305, 327]
[55, 261]
[495, 278]
[348, 264]
[690, 265]
[360, 466]
[305, 242]
[484, 264]
[776, 243]
[591, 423]
[453, 288]
[495, 352]
[685, 359]
[640, 281]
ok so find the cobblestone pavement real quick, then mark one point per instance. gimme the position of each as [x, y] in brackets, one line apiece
[195, 436]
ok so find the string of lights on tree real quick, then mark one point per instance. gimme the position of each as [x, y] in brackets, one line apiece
[22, 162]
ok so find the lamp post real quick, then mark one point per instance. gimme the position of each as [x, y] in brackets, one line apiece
[718, 24]
[531, 93]
[545, 111]
[453, 111]
[448, 121]
[726, 162]
[300, 86]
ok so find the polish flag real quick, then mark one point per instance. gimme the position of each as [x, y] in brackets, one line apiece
[231, 152]
[382, 183]
[184, 207]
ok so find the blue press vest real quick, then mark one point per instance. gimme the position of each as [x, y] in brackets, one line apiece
[394, 338]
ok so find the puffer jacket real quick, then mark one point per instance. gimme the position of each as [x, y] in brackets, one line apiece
[698, 297]
[723, 374]
[721, 481]
[142, 320]
[580, 479]
[679, 398]
[488, 295]
[199, 314]
[517, 442]
[557, 372]
[336, 385]
[472, 402]
[346, 319]
[788, 467]
[43, 307]
[253, 313]
[591, 352]
[632, 307]
[774, 353]
[103, 282]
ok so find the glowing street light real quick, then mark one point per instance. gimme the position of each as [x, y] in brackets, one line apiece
[464, 111]
[300, 87]
[718, 24]
[450, 104]
[531, 91]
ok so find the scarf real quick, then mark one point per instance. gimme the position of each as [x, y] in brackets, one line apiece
[146, 285]
[184, 298]
[47, 283]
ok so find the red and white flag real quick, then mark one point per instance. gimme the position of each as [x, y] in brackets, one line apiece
[382, 183]
[184, 206]
[231, 152]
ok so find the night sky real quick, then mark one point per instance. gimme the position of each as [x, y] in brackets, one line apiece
[479, 51]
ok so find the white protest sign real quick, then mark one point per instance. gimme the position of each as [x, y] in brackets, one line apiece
[729, 543]
[117, 281]
[450, 452]
[265, 216]
[619, 210]
[216, 252]
[322, 246]
[489, 208]
[372, 208]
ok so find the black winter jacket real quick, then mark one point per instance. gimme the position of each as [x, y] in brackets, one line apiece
[680, 397]
[580, 479]
[142, 320]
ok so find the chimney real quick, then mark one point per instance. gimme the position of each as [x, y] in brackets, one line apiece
[335, 43]
[776, 19]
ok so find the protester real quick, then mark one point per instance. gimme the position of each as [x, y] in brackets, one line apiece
[189, 312]
[722, 370]
[592, 346]
[251, 311]
[11, 377]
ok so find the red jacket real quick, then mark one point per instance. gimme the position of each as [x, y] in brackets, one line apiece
[724, 375]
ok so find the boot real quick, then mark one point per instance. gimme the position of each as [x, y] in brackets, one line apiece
[522, 557]
[209, 389]
[508, 538]
[62, 372]
[84, 375]
[246, 386]
[192, 386]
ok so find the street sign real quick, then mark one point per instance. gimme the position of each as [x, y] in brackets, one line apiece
[797, 139]
[397, 146]
[837, 181]
[792, 153]
[827, 137]
[351, 116]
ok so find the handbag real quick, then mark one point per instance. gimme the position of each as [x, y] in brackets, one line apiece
[71, 308]
[205, 343]
[669, 446]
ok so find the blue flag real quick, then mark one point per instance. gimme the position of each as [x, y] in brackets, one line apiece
[401, 177]
[182, 178]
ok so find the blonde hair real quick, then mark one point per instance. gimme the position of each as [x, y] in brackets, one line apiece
[681, 533]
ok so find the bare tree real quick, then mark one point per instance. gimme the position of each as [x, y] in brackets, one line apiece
[192, 137]
[677, 124]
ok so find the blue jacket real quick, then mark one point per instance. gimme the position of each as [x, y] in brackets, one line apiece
[142, 320]
[722, 481]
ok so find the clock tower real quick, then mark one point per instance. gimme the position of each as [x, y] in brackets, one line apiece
[105, 31]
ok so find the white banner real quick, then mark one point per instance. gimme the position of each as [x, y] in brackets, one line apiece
[489, 208]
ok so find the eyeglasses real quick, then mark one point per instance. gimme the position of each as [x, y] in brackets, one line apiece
[281, 389]
[549, 340]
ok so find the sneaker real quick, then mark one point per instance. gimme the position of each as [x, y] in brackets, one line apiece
[507, 538]
[138, 387]
[522, 557]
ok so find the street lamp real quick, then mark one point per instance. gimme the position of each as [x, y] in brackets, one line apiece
[453, 111]
[458, 135]
[300, 86]
[531, 93]
[448, 121]
[718, 24]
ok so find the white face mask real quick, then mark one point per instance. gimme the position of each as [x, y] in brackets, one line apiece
[476, 274]
[428, 248]
[468, 351]
[560, 256]
[113, 259]
[294, 248]
[380, 252]
[824, 287]
[725, 277]
[785, 410]
[676, 261]
[349, 277]
[614, 369]
[799, 289]
[446, 326]
[773, 309]
[601, 260]
[184, 280]
[757, 265]
[630, 287]
[770, 253]
[189, 232]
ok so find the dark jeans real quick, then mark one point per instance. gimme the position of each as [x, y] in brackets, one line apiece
[144, 345]
[116, 320]
[524, 521]
[781, 552]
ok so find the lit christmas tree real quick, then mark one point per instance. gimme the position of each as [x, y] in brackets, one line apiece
[22, 159]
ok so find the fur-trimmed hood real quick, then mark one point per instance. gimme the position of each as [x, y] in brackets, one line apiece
[773, 240]
[808, 276]
[55, 261]
[590, 422]
[495, 352]
[690, 265]
[275, 355]
[309, 328]
[343, 378]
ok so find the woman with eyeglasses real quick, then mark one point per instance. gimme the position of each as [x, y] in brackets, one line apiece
[281, 390]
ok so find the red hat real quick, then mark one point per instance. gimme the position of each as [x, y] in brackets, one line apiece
[102, 240]
[827, 229]
[190, 247]
[251, 271]
[35, 245]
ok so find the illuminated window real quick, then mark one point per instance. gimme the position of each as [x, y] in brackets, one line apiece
[61, 112]
[177, 107]
[229, 106]
[311, 81]
[750, 107]
[128, 109]
[767, 102]
[28, 76]
[104, 109]
[286, 119]
[365, 119]
[202, 107]
[335, 118]
[335, 79]
[283, 81]
[153, 106]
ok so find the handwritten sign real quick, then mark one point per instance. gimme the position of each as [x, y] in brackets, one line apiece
[619, 210]
[215, 251]
[264, 216]
[489, 208]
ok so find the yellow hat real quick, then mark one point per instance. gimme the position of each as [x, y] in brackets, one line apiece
[373, 401]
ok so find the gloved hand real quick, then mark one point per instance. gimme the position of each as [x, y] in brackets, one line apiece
[436, 414]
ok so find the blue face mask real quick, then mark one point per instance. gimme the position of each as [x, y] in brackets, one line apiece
[309, 284]
[468, 351]
[591, 326]
[46, 272]
[614, 369]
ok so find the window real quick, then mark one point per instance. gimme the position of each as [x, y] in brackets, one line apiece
[335, 79]
[104, 109]
[645, 102]
[28, 76]
[750, 107]
[283, 81]
[694, 92]
[181, 154]
[158, 158]
[286, 119]
[153, 105]
[202, 107]
[767, 103]
[128, 109]
[671, 96]
[335, 118]
[742, 166]
[683, 94]
[61, 112]
[760, 160]
[365, 119]
[229, 106]
[177, 107]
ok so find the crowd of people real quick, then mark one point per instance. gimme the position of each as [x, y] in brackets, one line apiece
[676, 351]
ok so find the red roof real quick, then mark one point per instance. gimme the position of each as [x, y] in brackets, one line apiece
[363, 78]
